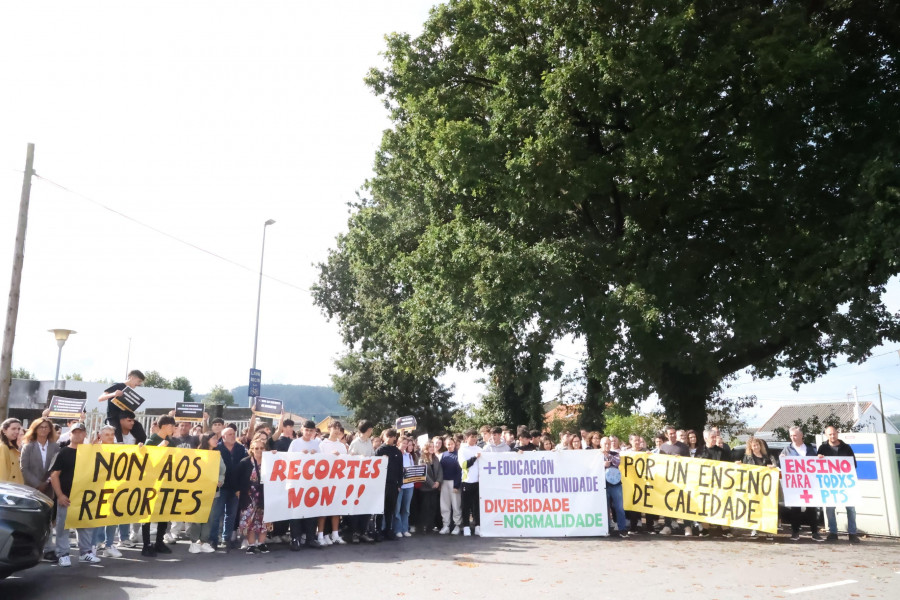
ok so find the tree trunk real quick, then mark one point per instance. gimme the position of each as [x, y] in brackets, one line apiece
[684, 396]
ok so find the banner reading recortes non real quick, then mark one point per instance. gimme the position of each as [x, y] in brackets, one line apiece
[298, 486]
[116, 484]
[543, 494]
[720, 493]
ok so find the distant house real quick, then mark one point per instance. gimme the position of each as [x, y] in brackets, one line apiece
[562, 411]
[864, 414]
[325, 424]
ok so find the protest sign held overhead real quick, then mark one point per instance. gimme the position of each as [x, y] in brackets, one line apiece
[129, 400]
[189, 412]
[811, 481]
[721, 493]
[405, 424]
[65, 408]
[551, 494]
[298, 486]
[267, 407]
[116, 484]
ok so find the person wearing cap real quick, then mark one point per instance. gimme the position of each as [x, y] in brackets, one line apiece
[303, 531]
[61, 477]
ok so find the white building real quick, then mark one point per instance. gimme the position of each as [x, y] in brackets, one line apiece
[863, 414]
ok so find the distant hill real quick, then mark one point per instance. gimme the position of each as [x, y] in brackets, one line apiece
[312, 401]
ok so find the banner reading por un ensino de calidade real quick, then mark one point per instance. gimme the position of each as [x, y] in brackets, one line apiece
[116, 484]
[298, 486]
[543, 494]
[708, 491]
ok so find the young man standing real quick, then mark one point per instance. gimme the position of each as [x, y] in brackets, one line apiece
[361, 446]
[61, 477]
[303, 531]
[333, 445]
[392, 483]
[468, 460]
[836, 447]
[165, 429]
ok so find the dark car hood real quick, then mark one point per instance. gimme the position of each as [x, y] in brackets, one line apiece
[24, 491]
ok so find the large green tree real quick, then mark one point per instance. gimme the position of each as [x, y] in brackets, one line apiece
[694, 188]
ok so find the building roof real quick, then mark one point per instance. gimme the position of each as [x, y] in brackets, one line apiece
[786, 415]
[562, 411]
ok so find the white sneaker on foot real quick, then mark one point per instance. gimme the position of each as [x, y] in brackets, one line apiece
[126, 543]
[412, 529]
[407, 534]
[194, 548]
[444, 530]
[113, 552]
[206, 548]
[337, 539]
[89, 557]
[64, 561]
[169, 538]
[456, 531]
[477, 530]
[665, 531]
[467, 531]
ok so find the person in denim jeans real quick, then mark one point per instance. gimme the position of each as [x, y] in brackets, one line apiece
[404, 497]
[224, 508]
[836, 447]
[614, 487]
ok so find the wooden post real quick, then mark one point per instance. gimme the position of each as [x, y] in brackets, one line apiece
[12, 310]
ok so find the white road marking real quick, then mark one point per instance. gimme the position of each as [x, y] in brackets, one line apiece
[820, 587]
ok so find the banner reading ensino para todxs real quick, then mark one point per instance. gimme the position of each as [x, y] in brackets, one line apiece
[298, 486]
[708, 491]
[543, 494]
[115, 484]
[811, 481]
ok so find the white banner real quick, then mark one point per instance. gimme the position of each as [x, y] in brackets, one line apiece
[811, 481]
[300, 485]
[543, 494]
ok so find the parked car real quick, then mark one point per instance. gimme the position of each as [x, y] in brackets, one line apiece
[24, 527]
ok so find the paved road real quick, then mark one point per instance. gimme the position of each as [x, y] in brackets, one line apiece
[432, 566]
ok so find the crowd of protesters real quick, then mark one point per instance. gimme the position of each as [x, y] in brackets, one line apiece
[446, 502]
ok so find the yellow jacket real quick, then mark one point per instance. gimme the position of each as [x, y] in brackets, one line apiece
[9, 465]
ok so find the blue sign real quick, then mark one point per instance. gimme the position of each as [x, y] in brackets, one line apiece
[255, 381]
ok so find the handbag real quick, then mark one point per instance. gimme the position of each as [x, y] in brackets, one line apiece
[613, 476]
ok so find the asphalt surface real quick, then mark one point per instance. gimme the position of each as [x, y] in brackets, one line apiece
[433, 566]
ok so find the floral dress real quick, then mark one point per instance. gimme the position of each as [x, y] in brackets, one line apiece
[252, 515]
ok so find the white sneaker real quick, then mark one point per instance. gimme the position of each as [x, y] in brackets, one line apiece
[325, 541]
[665, 531]
[688, 532]
[467, 531]
[64, 561]
[457, 531]
[169, 538]
[89, 557]
[194, 548]
[112, 552]
[337, 539]
[407, 534]
[477, 530]
[398, 535]
[245, 544]
[412, 529]
[444, 530]
[206, 548]
[126, 543]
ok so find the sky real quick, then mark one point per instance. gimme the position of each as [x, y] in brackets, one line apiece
[164, 127]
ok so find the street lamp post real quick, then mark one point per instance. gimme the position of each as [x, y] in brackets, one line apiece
[262, 257]
[61, 336]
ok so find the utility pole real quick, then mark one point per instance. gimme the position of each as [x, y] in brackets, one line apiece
[881, 408]
[12, 310]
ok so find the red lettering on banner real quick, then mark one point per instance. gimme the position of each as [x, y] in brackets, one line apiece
[352, 465]
[278, 471]
[294, 471]
[294, 497]
[322, 469]
[790, 466]
[364, 469]
[308, 468]
[328, 495]
[376, 469]
[337, 469]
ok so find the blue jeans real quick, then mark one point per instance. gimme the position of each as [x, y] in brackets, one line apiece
[832, 519]
[401, 513]
[225, 505]
[108, 534]
[616, 503]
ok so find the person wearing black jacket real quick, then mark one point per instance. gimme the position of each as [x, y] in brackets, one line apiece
[225, 506]
[392, 483]
[717, 450]
[836, 447]
[114, 413]
[797, 515]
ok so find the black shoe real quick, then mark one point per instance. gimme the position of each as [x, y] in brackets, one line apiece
[365, 538]
[162, 548]
[854, 539]
[148, 551]
[295, 545]
[354, 539]
[252, 550]
[315, 545]
[832, 537]
[263, 548]
[51, 556]
[817, 537]
[795, 536]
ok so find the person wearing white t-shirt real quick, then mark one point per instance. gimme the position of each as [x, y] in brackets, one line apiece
[333, 445]
[303, 531]
[362, 446]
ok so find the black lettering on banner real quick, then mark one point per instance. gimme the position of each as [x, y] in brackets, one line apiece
[166, 470]
[196, 496]
[86, 505]
[165, 498]
[197, 467]
[145, 505]
[176, 501]
[105, 493]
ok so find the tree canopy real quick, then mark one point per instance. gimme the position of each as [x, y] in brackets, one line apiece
[693, 188]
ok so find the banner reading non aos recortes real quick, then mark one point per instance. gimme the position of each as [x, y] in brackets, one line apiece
[116, 484]
[298, 486]
[543, 494]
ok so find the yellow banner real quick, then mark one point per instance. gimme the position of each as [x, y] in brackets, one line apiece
[116, 484]
[708, 491]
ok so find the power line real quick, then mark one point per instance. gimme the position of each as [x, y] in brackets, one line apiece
[166, 234]
[843, 364]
